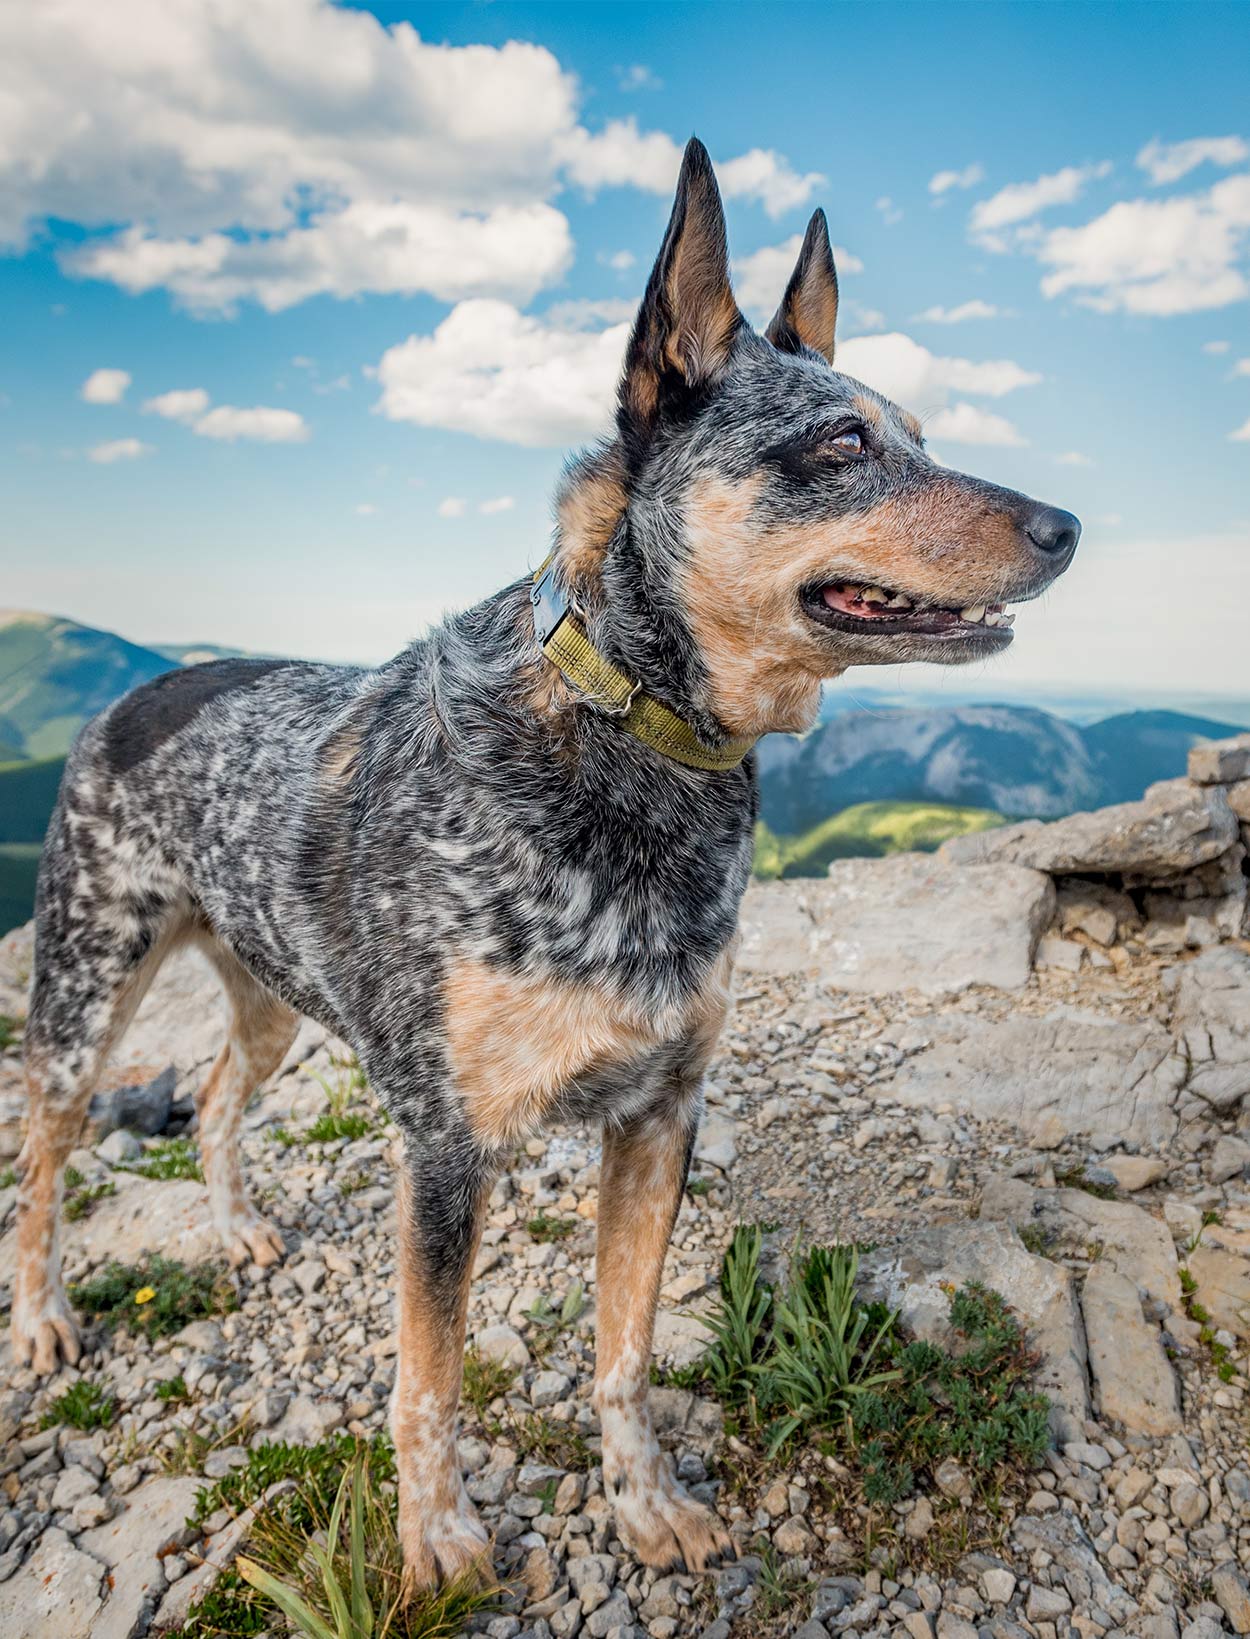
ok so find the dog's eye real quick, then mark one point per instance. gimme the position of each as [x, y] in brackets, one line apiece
[848, 443]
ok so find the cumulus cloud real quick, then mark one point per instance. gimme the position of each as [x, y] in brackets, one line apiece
[498, 503]
[1215, 347]
[903, 369]
[1158, 256]
[232, 152]
[1169, 161]
[452, 506]
[760, 279]
[105, 387]
[944, 181]
[494, 372]
[1074, 458]
[975, 309]
[260, 423]
[638, 77]
[118, 449]
[1242, 434]
[965, 423]
[1242, 367]
[1021, 201]
[185, 404]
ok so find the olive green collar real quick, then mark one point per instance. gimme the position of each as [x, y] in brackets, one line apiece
[563, 640]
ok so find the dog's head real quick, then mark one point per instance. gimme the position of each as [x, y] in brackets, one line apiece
[761, 521]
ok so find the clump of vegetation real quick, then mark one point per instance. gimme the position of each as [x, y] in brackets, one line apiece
[10, 1031]
[168, 1158]
[173, 1389]
[340, 1121]
[83, 1196]
[1221, 1356]
[328, 1128]
[157, 1296]
[316, 1469]
[485, 1381]
[84, 1405]
[808, 1356]
[698, 1186]
[1078, 1178]
[8, 1177]
[543, 1228]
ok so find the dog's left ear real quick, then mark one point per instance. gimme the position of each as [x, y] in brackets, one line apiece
[808, 314]
[685, 329]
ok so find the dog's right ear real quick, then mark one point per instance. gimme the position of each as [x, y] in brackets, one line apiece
[685, 328]
[808, 314]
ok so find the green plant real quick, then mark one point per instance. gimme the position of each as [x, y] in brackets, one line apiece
[79, 1202]
[173, 1388]
[167, 1158]
[340, 1575]
[485, 1380]
[340, 1121]
[316, 1469]
[280, 1135]
[557, 1445]
[1035, 1239]
[157, 1295]
[1221, 1356]
[84, 1405]
[543, 1228]
[8, 1177]
[781, 1591]
[9, 1031]
[698, 1186]
[739, 1323]
[559, 1318]
[1076, 1178]
[328, 1128]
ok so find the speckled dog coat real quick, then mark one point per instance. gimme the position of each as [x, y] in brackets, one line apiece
[513, 909]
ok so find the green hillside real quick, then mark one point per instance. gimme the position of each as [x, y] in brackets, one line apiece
[55, 674]
[27, 798]
[868, 830]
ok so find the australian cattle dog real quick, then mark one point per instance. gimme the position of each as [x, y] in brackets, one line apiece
[506, 866]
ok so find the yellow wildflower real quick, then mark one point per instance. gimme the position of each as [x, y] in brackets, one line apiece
[145, 1294]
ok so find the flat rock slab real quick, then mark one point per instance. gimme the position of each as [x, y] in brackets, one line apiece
[1134, 1379]
[1223, 1287]
[915, 1279]
[909, 922]
[1067, 1070]
[1211, 1017]
[57, 1594]
[1174, 828]
[152, 1523]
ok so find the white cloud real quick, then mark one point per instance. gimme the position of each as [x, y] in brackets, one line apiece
[1074, 458]
[1021, 201]
[366, 509]
[231, 152]
[944, 181]
[1158, 256]
[638, 77]
[105, 387]
[1215, 347]
[259, 423]
[590, 312]
[975, 309]
[494, 372]
[1242, 367]
[1169, 161]
[498, 503]
[620, 261]
[185, 404]
[760, 279]
[965, 423]
[118, 449]
[890, 212]
[452, 506]
[1242, 435]
[904, 370]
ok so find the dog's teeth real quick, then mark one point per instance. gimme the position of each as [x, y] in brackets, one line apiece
[874, 594]
[899, 601]
[973, 614]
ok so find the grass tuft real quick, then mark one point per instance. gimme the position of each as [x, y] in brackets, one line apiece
[84, 1405]
[328, 1128]
[167, 1158]
[80, 1201]
[157, 1296]
[485, 1381]
[542, 1228]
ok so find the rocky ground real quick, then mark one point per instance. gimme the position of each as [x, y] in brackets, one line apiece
[1076, 1135]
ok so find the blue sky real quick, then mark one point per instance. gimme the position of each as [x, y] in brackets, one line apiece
[384, 257]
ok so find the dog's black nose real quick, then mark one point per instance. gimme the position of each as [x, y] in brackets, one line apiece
[1053, 531]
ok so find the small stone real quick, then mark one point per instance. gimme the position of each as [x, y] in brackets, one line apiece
[1134, 1172]
[73, 1485]
[504, 1344]
[549, 1387]
[919, 1624]
[950, 1626]
[119, 1146]
[951, 1480]
[793, 1537]
[998, 1584]
[920, 1521]
[1190, 1504]
[1046, 1604]
[776, 1500]
[1233, 1596]
[1042, 1502]
[1092, 1456]
[1230, 1156]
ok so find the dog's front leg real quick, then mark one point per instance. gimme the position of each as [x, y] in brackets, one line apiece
[641, 1182]
[443, 1188]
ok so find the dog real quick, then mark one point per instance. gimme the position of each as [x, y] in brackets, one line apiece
[506, 866]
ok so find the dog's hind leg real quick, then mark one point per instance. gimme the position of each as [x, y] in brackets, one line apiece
[641, 1181]
[261, 1030]
[90, 976]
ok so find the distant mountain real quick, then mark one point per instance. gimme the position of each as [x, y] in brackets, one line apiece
[1015, 760]
[55, 674]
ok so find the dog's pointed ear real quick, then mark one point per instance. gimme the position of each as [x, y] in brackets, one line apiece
[808, 314]
[686, 325]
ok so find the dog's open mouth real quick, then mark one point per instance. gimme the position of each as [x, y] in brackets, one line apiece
[846, 606]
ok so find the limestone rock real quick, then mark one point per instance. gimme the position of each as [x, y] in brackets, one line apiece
[59, 1590]
[1134, 1172]
[908, 922]
[1133, 1377]
[914, 1279]
[1233, 1595]
[1223, 1287]
[1218, 762]
[1175, 827]
[132, 1546]
[1077, 1071]
[1104, 914]
[717, 1143]
[1211, 1017]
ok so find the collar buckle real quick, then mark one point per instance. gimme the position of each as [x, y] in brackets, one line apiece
[549, 603]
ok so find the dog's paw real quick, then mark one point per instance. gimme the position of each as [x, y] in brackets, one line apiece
[44, 1333]
[251, 1239]
[443, 1549]
[670, 1531]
